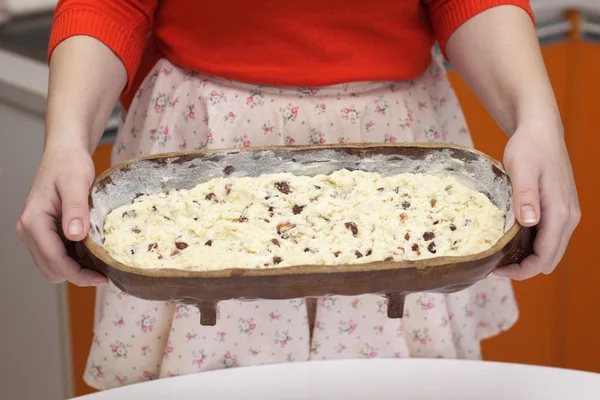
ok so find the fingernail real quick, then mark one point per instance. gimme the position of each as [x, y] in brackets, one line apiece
[75, 227]
[528, 214]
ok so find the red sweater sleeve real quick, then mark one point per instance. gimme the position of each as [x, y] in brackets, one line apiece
[447, 15]
[122, 25]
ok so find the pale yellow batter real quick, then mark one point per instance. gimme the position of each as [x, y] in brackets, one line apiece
[281, 220]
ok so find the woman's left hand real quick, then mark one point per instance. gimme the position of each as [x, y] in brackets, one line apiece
[544, 194]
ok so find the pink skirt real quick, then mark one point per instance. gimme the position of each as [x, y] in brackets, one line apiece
[176, 109]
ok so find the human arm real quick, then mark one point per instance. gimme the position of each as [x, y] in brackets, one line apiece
[89, 68]
[497, 53]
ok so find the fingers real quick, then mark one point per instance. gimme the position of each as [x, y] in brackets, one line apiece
[558, 221]
[526, 201]
[519, 272]
[50, 275]
[73, 192]
[573, 218]
[39, 234]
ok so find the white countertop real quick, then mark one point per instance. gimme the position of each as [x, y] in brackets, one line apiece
[381, 379]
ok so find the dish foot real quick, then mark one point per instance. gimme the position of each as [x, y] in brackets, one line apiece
[395, 308]
[208, 313]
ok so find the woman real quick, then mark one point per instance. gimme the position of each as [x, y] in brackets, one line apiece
[232, 73]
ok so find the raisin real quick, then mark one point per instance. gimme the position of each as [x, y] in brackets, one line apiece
[275, 242]
[271, 212]
[195, 218]
[181, 245]
[211, 197]
[433, 202]
[228, 189]
[277, 260]
[284, 227]
[267, 221]
[452, 227]
[152, 246]
[405, 204]
[388, 259]
[160, 256]
[431, 247]
[228, 170]
[136, 230]
[380, 190]
[352, 227]
[369, 252]
[407, 236]
[403, 217]
[208, 243]
[428, 236]
[306, 250]
[358, 254]
[436, 222]
[283, 187]
[337, 253]
[174, 253]
[415, 247]
[242, 219]
[297, 209]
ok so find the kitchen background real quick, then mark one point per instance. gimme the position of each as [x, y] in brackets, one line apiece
[46, 330]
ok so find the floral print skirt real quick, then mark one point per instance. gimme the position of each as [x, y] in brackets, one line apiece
[177, 109]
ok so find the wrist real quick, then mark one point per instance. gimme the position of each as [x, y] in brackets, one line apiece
[72, 139]
[540, 126]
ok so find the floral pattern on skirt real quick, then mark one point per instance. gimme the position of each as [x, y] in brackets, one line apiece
[176, 109]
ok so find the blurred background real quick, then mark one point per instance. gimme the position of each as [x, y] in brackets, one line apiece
[46, 330]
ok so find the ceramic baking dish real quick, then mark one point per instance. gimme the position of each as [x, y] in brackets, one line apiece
[153, 174]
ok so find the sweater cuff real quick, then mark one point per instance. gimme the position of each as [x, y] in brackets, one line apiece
[452, 14]
[122, 40]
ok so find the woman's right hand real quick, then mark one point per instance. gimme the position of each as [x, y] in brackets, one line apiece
[86, 78]
[58, 200]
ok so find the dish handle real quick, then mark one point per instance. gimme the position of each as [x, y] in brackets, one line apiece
[78, 252]
[520, 248]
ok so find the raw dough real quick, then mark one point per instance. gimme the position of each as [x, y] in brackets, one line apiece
[279, 220]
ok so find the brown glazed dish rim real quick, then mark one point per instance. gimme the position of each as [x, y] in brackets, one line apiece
[100, 252]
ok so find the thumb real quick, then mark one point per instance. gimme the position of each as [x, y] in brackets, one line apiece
[526, 198]
[73, 192]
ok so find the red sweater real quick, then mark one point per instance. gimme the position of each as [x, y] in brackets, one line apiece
[276, 42]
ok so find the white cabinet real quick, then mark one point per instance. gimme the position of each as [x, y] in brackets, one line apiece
[34, 351]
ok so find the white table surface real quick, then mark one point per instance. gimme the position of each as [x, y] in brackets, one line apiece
[377, 379]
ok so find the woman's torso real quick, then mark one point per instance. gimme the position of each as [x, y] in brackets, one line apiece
[305, 43]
